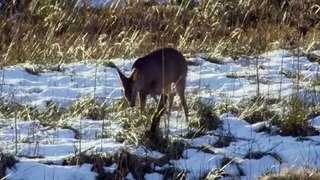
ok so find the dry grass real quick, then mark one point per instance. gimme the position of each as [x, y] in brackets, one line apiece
[45, 31]
[304, 173]
[127, 162]
[88, 108]
[98, 161]
[294, 122]
[48, 117]
[206, 117]
[259, 109]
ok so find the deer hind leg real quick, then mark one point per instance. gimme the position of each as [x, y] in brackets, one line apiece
[180, 87]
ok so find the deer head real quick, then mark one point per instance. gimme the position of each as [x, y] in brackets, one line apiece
[129, 85]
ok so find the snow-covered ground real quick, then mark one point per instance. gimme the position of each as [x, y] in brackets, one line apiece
[207, 80]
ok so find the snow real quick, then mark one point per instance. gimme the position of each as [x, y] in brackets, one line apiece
[206, 140]
[254, 168]
[207, 80]
[142, 152]
[111, 168]
[30, 171]
[197, 163]
[315, 122]
[155, 176]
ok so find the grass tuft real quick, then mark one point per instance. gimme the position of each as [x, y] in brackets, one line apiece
[288, 174]
[87, 108]
[192, 134]
[259, 155]
[206, 118]
[258, 110]
[97, 160]
[173, 173]
[223, 141]
[294, 122]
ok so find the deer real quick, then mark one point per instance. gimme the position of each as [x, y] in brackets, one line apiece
[155, 74]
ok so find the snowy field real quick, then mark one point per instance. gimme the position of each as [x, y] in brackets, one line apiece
[231, 81]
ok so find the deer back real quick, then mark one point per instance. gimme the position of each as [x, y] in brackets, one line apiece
[158, 69]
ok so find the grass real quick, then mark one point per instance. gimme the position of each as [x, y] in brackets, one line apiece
[55, 32]
[221, 172]
[127, 162]
[97, 160]
[290, 115]
[288, 174]
[223, 141]
[259, 155]
[52, 115]
[88, 108]
[259, 109]
[214, 174]
[206, 118]
[48, 117]
[294, 122]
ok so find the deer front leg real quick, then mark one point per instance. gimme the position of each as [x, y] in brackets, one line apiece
[142, 99]
[161, 107]
[157, 115]
[170, 103]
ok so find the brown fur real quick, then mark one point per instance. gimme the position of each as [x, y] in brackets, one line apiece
[155, 73]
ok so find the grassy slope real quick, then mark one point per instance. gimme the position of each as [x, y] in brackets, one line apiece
[46, 31]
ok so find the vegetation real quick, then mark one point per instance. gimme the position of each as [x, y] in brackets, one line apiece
[304, 173]
[294, 121]
[206, 118]
[126, 162]
[57, 31]
[53, 32]
[258, 110]
[50, 116]
[88, 108]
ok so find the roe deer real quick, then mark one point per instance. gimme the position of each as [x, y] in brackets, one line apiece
[154, 74]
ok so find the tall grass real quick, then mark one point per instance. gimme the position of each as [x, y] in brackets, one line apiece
[55, 31]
